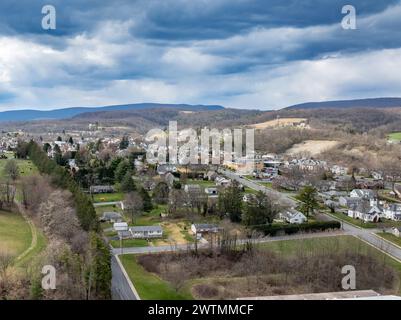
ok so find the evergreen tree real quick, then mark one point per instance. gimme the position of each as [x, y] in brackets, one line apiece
[308, 198]
[147, 200]
[121, 170]
[127, 183]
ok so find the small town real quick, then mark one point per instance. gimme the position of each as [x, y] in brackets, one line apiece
[199, 159]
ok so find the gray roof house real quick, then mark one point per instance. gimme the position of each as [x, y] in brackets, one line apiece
[204, 228]
[146, 232]
[101, 189]
[364, 211]
[111, 217]
[363, 193]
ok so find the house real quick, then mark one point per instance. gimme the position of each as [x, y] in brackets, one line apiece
[101, 189]
[349, 201]
[192, 188]
[396, 231]
[111, 217]
[146, 232]
[169, 179]
[164, 168]
[362, 193]
[397, 190]
[221, 181]
[211, 191]
[125, 206]
[248, 197]
[364, 211]
[204, 228]
[211, 175]
[392, 211]
[339, 170]
[120, 226]
[293, 216]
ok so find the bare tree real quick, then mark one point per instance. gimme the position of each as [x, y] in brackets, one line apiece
[133, 204]
[11, 169]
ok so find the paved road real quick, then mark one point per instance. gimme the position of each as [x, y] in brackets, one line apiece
[369, 236]
[120, 289]
[364, 234]
[255, 186]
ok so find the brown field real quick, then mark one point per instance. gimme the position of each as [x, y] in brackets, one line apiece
[313, 147]
[283, 122]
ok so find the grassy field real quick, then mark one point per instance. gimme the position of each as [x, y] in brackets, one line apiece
[108, 197]
[390, 237]
[127, 243]
[26, 167]
[15, 233]
[152, 287]
[148, 285]
[395, 136]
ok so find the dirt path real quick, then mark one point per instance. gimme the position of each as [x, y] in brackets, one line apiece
[34, 234]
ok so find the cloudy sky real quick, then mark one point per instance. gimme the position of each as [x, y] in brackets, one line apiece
[263, 54]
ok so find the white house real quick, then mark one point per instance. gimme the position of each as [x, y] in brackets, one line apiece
[146, 232]
[392, 211]
[204, 228]
[120, 226]
[365, 212]
[211, 191]
[195, 188]
[362, 193]
[293, 216]
[396, 231]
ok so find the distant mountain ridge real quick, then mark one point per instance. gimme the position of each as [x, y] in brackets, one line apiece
[357, 103]
[65, 113]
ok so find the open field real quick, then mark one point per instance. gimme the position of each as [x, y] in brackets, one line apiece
[221, 277]
[313, 147]
[283, 122]
[395, 136]
[108, 197]
[15, 233]
[26, 167]
[148, 285]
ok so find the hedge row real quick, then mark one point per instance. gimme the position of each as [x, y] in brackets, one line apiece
[61, 178]
[317, 226]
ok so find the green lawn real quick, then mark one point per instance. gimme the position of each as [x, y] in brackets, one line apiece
[108, 197]
[26, 167]
[15, 233]
[395, 136]
[390, 237]
[149, 285]
[250, 191]
[127, 243]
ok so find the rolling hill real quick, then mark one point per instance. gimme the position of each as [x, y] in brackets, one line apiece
[358, 103]
[57, 114]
